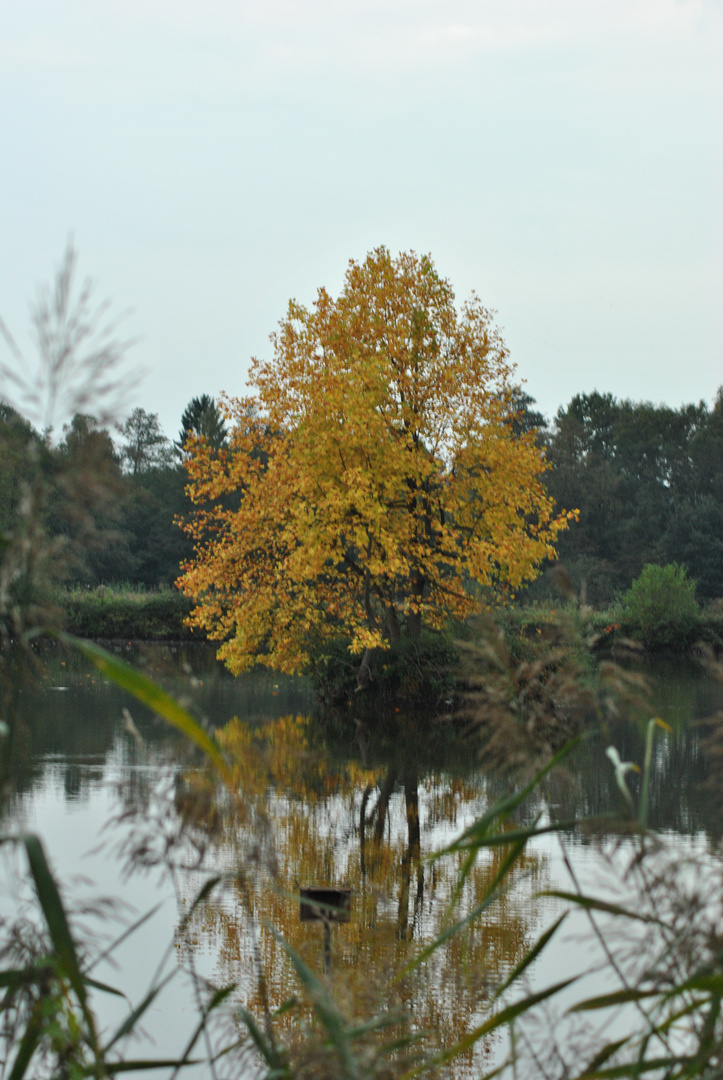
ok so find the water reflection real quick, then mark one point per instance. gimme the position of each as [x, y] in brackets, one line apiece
[366, 820]
[326, 800]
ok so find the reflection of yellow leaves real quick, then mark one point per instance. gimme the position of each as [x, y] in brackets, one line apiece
[400, 900]
[279, 754]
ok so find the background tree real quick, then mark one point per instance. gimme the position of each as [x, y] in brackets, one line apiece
[87, 503]
[648, 480]
[391, 476]
[202, 418]
[145, 445]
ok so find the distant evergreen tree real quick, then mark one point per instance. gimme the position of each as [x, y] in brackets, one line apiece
[202, 417]
[525, 418]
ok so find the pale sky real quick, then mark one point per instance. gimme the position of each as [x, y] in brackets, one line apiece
[563, 158]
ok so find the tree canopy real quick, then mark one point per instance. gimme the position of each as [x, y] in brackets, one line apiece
[648, 481]
[377, 476]
[145, 446]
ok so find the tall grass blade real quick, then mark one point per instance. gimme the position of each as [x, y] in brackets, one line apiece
[134, 1016]
[325, 1008]
[647, 764]
[267, 1049]
[27, 1047]
[491, 895]
[217, 999]
[148, 692]
[598, 905]
[499, 1020]
[126, 934]
[54, 912]
[529, 957]
[504, 807]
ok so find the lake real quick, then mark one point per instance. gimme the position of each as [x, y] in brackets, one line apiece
[132, 825]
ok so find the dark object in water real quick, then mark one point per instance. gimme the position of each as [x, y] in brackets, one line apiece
[327, 905]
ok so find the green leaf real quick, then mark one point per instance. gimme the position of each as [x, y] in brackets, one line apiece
[529, 957]
[147, 691]
[598, 905]
[491, 895]
[134, 1016]
[606, 1001]
[54, 912]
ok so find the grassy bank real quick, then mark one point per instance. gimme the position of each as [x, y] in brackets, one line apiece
[123, 612]
[158, 615]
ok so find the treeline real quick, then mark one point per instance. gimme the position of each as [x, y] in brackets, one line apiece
[647, 480]
[109, 500]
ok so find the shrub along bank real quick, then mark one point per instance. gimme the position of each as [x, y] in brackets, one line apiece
[127, 613]
[658, 612]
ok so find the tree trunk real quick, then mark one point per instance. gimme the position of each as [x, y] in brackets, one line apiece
[393, 624]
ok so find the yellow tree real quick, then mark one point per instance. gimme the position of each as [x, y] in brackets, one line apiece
[373, 480]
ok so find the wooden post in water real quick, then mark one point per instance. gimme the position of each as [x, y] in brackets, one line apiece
[320, 904]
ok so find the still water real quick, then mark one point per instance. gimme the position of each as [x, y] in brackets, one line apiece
[133, 829]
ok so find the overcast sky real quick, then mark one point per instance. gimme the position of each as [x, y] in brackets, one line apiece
[563, 158]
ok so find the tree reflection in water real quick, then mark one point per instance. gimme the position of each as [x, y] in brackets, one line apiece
[367, 820]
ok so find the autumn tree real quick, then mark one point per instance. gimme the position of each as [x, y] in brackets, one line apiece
[378, 474]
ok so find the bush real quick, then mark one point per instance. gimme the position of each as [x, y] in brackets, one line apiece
[660, 608]
[418, 673]
[125, 613]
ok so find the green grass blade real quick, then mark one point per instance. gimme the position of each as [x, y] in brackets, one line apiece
[499, 1020]
[450, 931]
[54, 912]
[126, 934]
[497, 839]
[628, 1070]
[147, 691]
[606, 1001]
[504, 807]
[217, 999]
[27, 1047]
[598, 905]
[602, 1056]
[13, 978]
[134, 1016]
[325, 1008]
[529, 957]
[113, 1067]
[266, 1048]
[104, 987]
